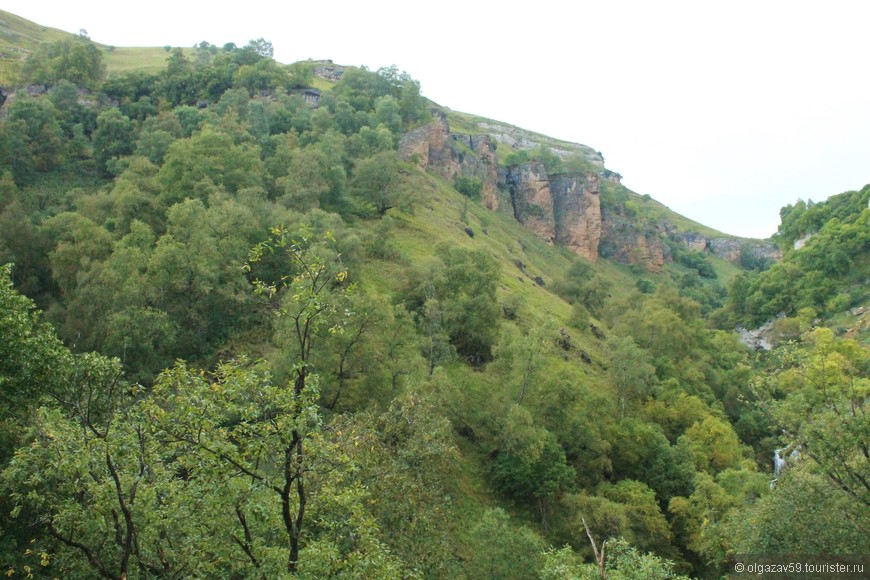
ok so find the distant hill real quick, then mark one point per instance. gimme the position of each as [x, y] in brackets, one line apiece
[19, 37]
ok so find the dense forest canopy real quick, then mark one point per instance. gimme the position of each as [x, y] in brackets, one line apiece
[242, 336]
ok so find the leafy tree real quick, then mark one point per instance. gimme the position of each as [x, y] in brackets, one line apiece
[32, 359]
[301, 75]
[582, 285]
[264, 75]
[21, 243]
[65, 97]
[306, 306]
[641, 452]
[468, 186]
[630, 370]
[521, 358]
[503, 550]
[695, 518]
[406, 458]
[816, 398]
[261, 47]
[530, 463]
[804, 513]
[78, 61]
[622, 561]
[194, 166]
[16, 159]
[471, 314]
[712, 444]
[76, 242]
[306, 178]
[40, 137]
[113, 138]
[377, 182]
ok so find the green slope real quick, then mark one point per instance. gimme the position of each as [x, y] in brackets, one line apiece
[19, 37]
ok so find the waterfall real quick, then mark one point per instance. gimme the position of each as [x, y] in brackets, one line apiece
[778, 462]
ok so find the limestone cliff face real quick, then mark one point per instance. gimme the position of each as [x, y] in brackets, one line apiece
[695, 241]
[529, 187]
[476, 157]
[624, 240]
[564, 209]
[456, 154]
[577, 209]
[732, 249]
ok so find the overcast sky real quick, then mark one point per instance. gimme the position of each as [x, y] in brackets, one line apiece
[724, 111]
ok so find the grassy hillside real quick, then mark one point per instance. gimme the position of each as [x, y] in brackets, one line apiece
[120, 60]
[232, 274]
[19, 37]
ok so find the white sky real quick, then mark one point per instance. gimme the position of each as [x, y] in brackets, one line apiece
[724, 111]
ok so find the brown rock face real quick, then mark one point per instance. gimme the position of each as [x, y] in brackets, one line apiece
[476, 157]
[623, 239]
[428, 145]
[529, 187]
[454, 154]
[695, 242]
[577, 206]
[732, 249]
[726, 248]
[650, 253]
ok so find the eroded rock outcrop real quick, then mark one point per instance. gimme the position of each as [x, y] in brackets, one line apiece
[433, 147]
[565, 208]
[529, 187]
[695, 241]
[732, 249]
[577, 211]
[624, 240]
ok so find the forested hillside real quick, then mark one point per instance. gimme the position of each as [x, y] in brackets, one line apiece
[265, 320]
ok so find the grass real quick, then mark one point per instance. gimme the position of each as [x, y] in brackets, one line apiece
[145, 59]
[18, 39]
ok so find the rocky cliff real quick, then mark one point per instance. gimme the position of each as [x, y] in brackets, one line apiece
[577, 209]
[626, 240]
[532, 200]
[566, 208]
[433, 147]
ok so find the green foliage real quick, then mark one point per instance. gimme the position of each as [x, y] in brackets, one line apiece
[377, 183]
[406, 457]
[622, 561]
[78, 61]
[113, 138]
[468, 186]
[630, 370]
[804, 513]
[130, 226]
[582, 285]
[531, 463]
[301, 74]
[817, 398]
[712, 445]
[465, 286]
[32, 359]
[825, 274]
[32, 138]
[695, 260]
[206, 162]
[641, 452]
[695, 517]
[503, 550]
